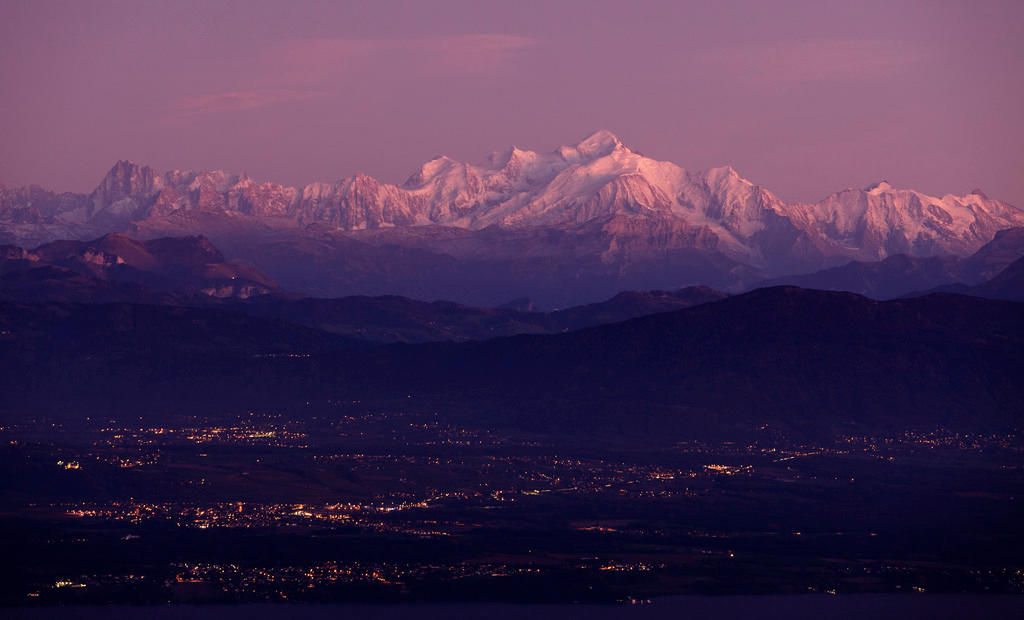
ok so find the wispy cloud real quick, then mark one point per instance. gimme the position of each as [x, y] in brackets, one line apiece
[240, 100]
[475, 53]
[301, 69]
[318, 60]
[816, 60]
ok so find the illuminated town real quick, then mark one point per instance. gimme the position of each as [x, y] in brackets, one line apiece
[403, 506]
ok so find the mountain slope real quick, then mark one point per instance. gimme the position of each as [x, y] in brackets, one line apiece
[993, 257]
[118, 268]
[596, 180]
[903, 275]
[130, 331]
[192, 272]
[399, 319]
[810, 361]
[632, 304]
[881, 221]
[885, 279]
[1007, 284]
[801, 357]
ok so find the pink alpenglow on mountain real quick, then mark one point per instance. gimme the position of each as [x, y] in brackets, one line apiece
[598, 182]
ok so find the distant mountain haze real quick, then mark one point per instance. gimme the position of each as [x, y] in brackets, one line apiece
[810, 361]
[192, 272]
[902, 275]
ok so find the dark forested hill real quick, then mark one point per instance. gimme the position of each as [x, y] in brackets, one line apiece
[808, 359]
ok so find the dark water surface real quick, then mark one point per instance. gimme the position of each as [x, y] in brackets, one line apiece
[870, 607]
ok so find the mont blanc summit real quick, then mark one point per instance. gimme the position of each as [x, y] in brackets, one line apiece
[597, 198]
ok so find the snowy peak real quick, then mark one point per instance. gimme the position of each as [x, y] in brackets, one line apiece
[514, 159]
[601, 143]
[725, 178]
[592, 183]
[440, 166]
[124, 180]
[881, 221]
[126, 171]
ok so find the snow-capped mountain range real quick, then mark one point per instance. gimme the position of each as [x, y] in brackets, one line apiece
[634, 203]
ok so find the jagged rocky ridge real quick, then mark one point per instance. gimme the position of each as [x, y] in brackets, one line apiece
[634, 198]
[116, 267]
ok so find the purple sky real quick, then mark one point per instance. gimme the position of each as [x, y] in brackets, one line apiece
[803, 98]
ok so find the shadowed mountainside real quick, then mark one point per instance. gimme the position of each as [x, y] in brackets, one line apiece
[116, 267]
[1007, 284]
[808, 360]
[399, 319]
[189, 271]
[903, 275]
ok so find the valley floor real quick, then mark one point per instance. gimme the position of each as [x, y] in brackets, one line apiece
[391, 506]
